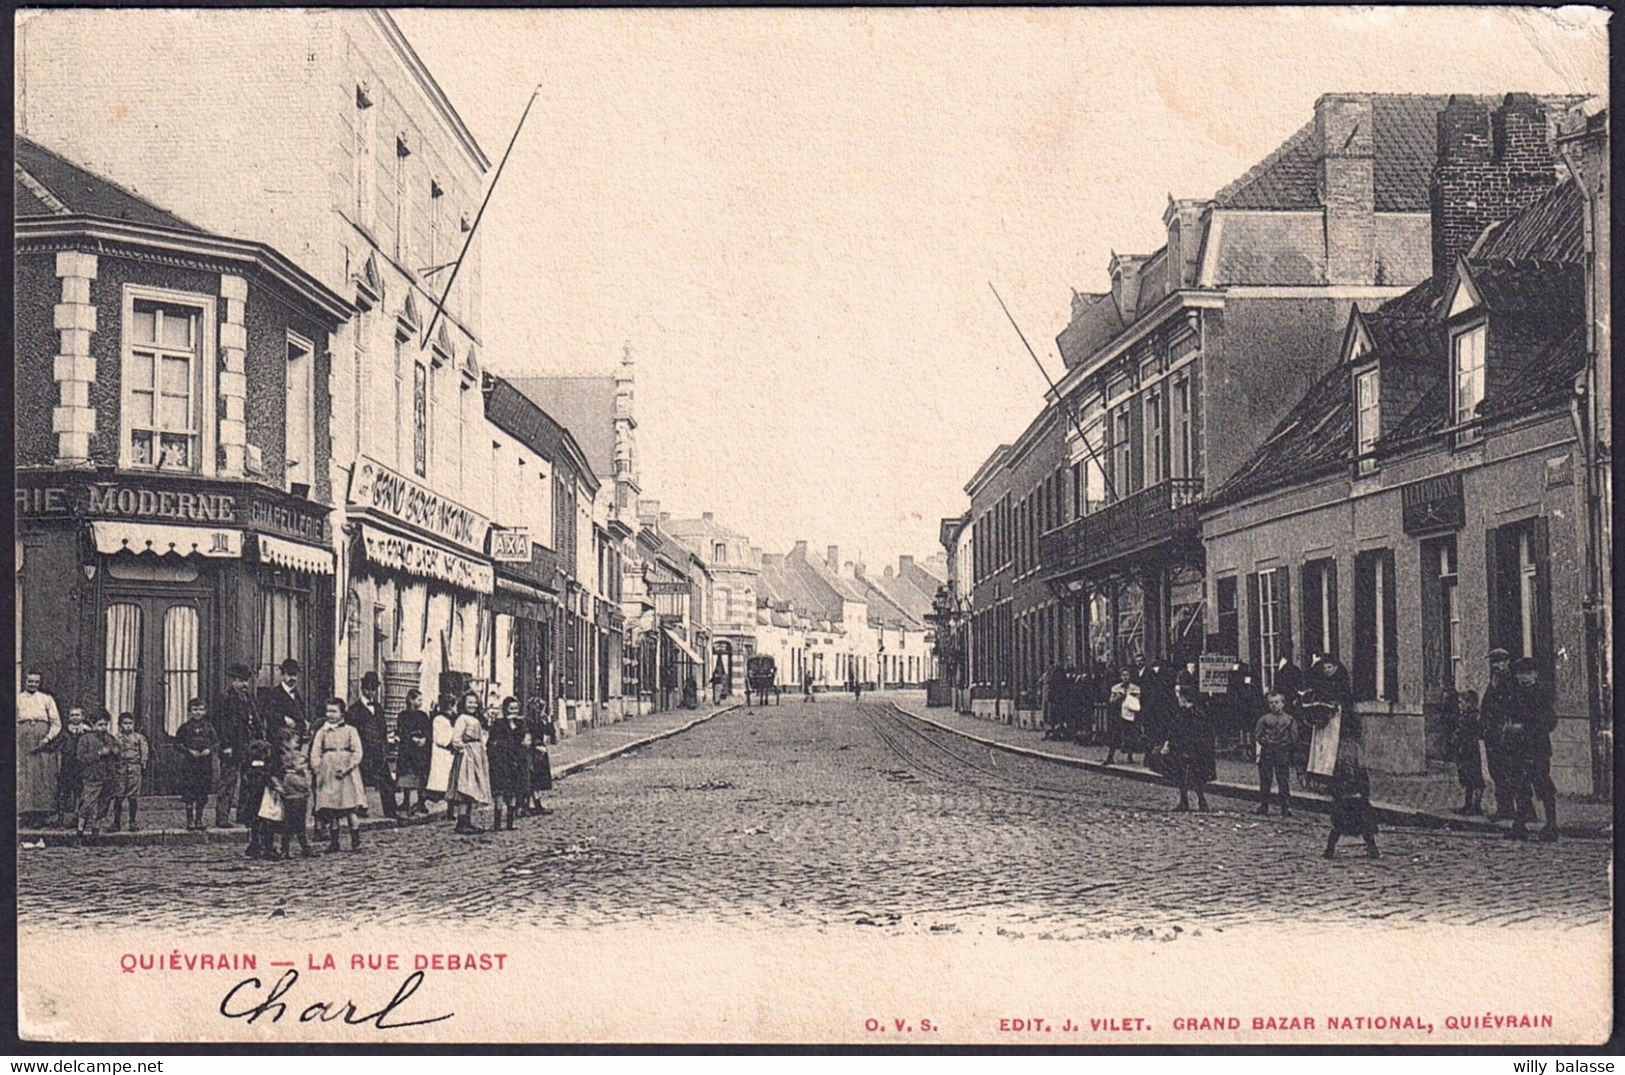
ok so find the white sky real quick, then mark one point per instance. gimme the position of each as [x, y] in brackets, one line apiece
[793, 216]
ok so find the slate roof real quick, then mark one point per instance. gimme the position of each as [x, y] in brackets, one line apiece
[520, 416]
[1404, 144]
[1093, 325]
[1534, 285]
[584, 405]
[45, 183]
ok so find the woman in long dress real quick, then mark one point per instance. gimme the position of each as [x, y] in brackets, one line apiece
[1328, 707]
[510, 762]
[542, 731]
[1191, 733]
[335, 760]
[440, 755]
[471, 769]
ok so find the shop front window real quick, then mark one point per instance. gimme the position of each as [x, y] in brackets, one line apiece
[282, 631]
[123, 659]
[180, 664]
[1130, 622]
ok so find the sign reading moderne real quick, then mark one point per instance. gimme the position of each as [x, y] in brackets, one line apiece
[377, 488]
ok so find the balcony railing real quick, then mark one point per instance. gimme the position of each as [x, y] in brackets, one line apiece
[1139, 521]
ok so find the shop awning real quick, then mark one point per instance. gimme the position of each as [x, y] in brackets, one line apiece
[424, 560]
[677, 640]
[162, 540]
[295, 555]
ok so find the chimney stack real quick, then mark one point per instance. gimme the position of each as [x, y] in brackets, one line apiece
[1125, 270]
[800, 550]
[904, 563]
[1489, 165]
[1346, 181]
[708, 516]
[832, 557]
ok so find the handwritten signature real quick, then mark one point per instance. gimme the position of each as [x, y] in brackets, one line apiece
[274, 1008]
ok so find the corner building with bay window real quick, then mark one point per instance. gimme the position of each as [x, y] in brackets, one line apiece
[173, 491]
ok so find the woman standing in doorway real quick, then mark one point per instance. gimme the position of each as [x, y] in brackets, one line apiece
[471, 770]
[335, 759]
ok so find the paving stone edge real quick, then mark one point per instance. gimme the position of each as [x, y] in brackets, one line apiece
[236, 834]
[1387, 813]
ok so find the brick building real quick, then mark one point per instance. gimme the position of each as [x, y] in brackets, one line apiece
[172, 416]
[352, 162]
[1418, 506]
[735, 567]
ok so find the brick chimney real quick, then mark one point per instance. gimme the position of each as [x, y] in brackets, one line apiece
[800, 550]
[832, 557]
[708, 517]
[904, 563]
[1345, 180]
[1489, 165]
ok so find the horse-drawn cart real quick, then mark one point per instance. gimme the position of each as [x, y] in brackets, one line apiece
[761, 679]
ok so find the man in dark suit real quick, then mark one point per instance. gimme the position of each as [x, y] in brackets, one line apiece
[367, 716]
[284, 706]
[236, 724]
[1529, 747]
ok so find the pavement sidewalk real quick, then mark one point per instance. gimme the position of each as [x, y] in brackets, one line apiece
[163, 817]
[1424, 800]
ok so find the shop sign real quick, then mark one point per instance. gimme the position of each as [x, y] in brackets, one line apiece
[661, 586]
[1213, 672]
[375, 487]
[510, 546]
[427, 561]
[177, 501]
[1433, 504]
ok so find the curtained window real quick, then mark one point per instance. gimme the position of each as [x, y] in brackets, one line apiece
[123, 661]
[282, 619]
[180, 664]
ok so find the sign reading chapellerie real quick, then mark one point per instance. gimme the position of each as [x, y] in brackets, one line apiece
[173, 500]
[375, 487]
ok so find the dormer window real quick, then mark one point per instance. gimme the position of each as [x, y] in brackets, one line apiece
[1467, 368]
[1367, 419]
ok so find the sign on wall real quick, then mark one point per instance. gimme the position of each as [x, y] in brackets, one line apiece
[510, 546]
[375, 487]
[172, 500]
[1433, 504]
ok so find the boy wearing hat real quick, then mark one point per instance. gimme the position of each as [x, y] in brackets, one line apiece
[1528, 743]
[1497, 710]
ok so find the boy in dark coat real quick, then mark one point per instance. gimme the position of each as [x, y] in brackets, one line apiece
[68, 781]
[1351, 807]
[1529, 750]
[97, 752]
[293, 783]
[257, 775]
[197, 741]
[366, 715]
[1466, 733]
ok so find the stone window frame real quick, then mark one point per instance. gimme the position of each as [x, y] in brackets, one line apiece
[204, 381]
[308, 448]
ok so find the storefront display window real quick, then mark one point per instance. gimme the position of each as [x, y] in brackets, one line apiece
[123, 659]
[180, 664]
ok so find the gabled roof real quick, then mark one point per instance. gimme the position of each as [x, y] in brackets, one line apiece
[1095, 321]
[585, 405]
[517, 414]
[1404, 145]
[1540, 301]
[45, 183]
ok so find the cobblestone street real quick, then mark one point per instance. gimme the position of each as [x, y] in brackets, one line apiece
[843, 816]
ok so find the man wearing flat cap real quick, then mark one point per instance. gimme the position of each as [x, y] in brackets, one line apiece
[1497, 710]
[284, 706]
[1529, 744]
[236, 724]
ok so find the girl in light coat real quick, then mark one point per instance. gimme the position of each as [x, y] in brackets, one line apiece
[441, 756]
[471, 774]
[335, 760]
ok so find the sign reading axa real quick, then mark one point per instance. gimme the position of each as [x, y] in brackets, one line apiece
[375, 487]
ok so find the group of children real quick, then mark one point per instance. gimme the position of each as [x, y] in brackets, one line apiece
[100, 770]
[273, 797]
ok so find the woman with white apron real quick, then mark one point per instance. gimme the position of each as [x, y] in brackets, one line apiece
[1326, 708]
